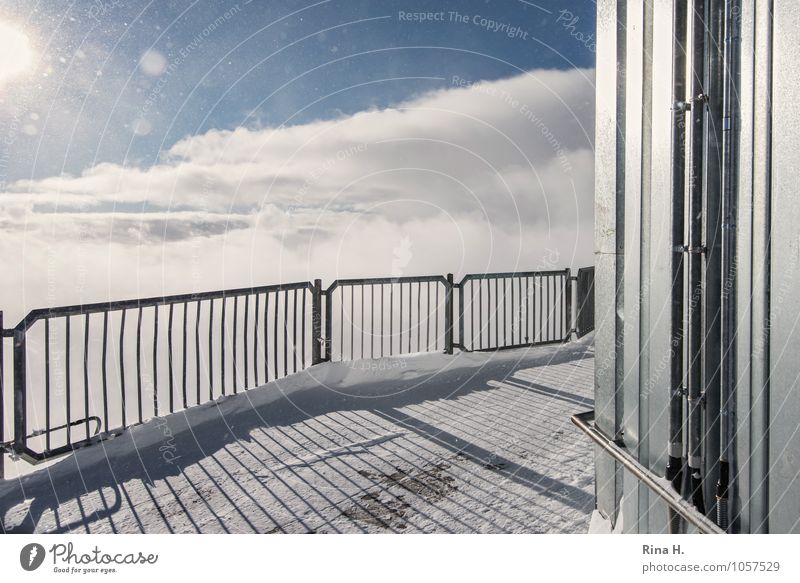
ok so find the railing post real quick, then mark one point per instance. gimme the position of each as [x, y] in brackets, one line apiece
[448, 315]
[460, 315]
[20, 422]
[328, 324]
[316, 323]
[568, 300]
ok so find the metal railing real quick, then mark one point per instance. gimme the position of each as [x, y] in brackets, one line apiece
[511, 310]
[85, 373]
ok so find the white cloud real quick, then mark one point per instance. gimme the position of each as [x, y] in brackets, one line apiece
[496, 176]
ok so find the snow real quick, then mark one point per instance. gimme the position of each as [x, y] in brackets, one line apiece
[474, 442]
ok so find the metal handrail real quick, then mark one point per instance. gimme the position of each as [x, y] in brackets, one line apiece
[617, 450]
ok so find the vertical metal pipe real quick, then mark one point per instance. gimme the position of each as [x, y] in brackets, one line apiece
[695, 312]
[674, 470]
[729, 263]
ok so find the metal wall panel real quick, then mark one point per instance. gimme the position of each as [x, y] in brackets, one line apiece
[784, 393]
[609, 240]
[633, 187]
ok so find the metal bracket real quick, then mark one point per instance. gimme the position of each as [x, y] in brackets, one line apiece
[686, 249]
[681, 106]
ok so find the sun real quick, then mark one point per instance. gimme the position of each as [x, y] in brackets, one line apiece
[16, 52]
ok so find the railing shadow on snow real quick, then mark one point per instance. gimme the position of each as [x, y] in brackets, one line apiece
[233, 428]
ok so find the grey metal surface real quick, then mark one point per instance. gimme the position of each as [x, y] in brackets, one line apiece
[783, 496]
[633, 261]
[609, 240]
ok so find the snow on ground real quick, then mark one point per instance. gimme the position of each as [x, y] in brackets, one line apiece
[476, 442]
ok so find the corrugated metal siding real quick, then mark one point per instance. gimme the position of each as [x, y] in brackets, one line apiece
[633, 250]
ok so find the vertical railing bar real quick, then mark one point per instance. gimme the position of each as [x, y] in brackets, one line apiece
[547, 307]
[505, 312]
[497, 312]
[328, 340]
[341, 323]
[352, 318]
[275, 335]
[46, 389]
[303, 301]
[139, 362]
[197, 350]
[527, 311]
[410, 314]
[448, 314]
[266, 336]
[419, 316]
[400, 323]
[183, 354]
[316, 323]
[234, 342]
[244, 341]
[372, 321]
[211, 349]
[391, 318]
[480, 314]
[519, 315]
[294, 330]
[286, 333]
[471, 285]
[104, 377]
[542, 303]
[489, 312]
[122, 367]
[362, 321]
[436, 317]
[155, 361]
[255, 339]
[383, 352]
[170, 363]
[20, 389]
[86, 373]
[222, 347]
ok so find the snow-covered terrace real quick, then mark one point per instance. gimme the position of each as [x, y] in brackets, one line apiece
[475, 442]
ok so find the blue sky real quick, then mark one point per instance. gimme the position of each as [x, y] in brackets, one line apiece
[164, 146]
[262, 64]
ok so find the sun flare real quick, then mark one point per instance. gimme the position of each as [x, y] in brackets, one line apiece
[16, 53]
